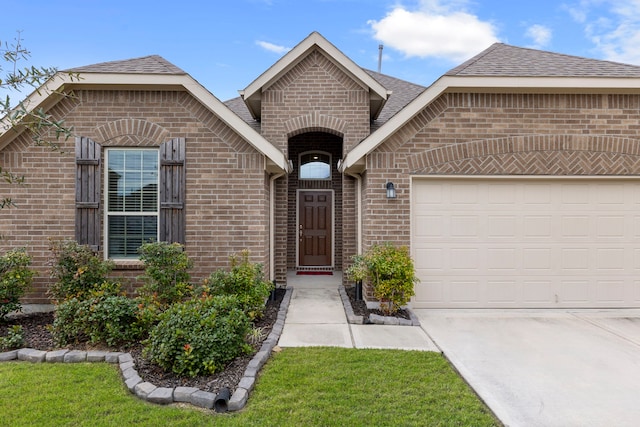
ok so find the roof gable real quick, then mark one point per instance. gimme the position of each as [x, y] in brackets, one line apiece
[507, 69]
[403, 93]
[252, 95]
[151, 72]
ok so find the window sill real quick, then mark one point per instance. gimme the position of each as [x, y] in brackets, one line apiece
[128, 265]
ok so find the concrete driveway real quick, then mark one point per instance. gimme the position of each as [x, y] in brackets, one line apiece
[546, 368]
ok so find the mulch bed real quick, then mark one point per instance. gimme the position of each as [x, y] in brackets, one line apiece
[37, 335]
[360, 307]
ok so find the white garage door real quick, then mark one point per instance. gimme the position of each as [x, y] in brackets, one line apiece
[526, 243]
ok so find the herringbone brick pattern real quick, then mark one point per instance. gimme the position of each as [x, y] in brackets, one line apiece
[533, 155]
[542, 163]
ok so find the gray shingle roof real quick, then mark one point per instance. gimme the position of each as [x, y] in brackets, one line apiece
[501, 60]
[403, 93]
[152, 64]
[238, 106]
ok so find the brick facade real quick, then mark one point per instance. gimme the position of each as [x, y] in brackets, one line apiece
[220, 166]
[500, 134]
[314, 106]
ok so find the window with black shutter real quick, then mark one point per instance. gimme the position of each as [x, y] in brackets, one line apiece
[144, 196]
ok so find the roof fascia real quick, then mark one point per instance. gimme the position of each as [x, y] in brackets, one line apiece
[544, 84]
[256, 140]
[573, 85]
[62, 81]
[253, 93]
[43, 97]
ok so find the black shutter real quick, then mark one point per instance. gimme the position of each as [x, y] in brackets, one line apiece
[172, 191]
[88, 192]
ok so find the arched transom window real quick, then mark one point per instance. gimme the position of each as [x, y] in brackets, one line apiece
[315, 165]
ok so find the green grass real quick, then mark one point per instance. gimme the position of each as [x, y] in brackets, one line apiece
[298, 387]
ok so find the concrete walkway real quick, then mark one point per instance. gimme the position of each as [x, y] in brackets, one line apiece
[316, 317]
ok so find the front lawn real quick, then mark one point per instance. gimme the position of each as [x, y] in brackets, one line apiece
[297, 387]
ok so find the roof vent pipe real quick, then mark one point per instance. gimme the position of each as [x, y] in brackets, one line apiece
[380, 47]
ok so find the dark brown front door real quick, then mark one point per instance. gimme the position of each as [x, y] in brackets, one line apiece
[314, 228]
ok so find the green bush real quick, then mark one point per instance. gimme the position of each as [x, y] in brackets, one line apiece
[76, 269]
[149, 309]
[199, 336]
[15, 279]
[389, 270]
[245, 280]
[166, 272]
[103, 315]
[14, 338]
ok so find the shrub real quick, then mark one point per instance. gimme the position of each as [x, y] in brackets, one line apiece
[14, 338]
[76, 269]
[199, 336]
[245, 280]
[68, 324]
[389, 270]
[149, 309]
[15, 279]
[166, 274]
[101, 316]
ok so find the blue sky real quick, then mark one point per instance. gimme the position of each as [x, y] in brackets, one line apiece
[226, 44]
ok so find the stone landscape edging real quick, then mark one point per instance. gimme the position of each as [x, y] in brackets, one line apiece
[164, 395]
[375, 318]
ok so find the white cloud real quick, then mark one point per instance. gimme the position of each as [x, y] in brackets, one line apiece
[577, 14]
[626, 8]
[622, 44]
[577, 11]
[613, 26]
[273, 47]
[435, 30]
[540, 35]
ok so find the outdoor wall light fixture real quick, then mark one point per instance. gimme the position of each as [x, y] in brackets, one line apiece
[391, 190]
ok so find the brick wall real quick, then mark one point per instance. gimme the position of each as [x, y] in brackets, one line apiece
[500, 134]
[227, 187]
[314, 97]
